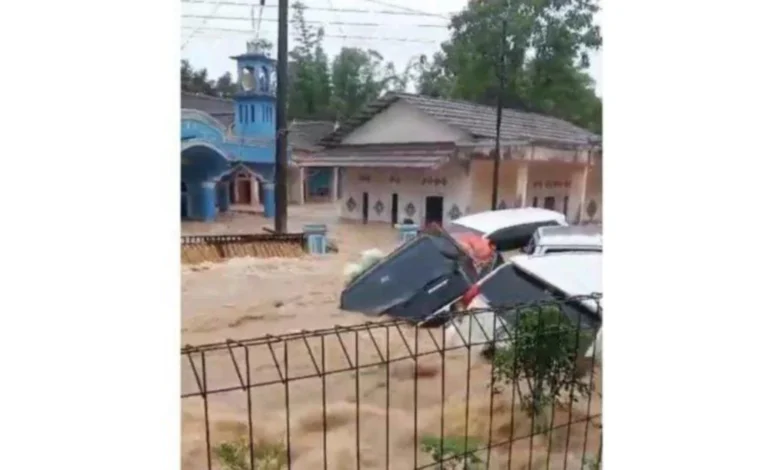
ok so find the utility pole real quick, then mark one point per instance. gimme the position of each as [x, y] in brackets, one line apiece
[280, 188]
[499, 110]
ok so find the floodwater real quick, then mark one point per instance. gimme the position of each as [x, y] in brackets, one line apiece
[375, 418]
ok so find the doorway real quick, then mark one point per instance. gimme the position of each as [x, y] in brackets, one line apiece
[549, 203]
[244, 191]
[184, 202]
[394, 209]
[434, 210]
[365, 208]
[232, 185]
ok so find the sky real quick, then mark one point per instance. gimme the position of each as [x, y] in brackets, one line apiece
[212, 31]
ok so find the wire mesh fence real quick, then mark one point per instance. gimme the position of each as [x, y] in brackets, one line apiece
[508, 388]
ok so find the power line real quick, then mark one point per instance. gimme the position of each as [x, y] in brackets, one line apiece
[406, 9]
[205, 20]
[340, 10]
[334, 23]
[333, 36]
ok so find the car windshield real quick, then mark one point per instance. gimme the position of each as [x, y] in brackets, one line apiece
[517, 237]
[510, 285]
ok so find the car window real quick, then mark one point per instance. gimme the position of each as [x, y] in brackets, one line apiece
[509, 285]
[517, 236]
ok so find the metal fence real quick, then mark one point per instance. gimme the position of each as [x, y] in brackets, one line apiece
[392, 395]
[199, 248]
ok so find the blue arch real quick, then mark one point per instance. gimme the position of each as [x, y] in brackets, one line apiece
[202, 161]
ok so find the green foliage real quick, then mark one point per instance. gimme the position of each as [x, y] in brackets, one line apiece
[548, 46]
[235, 456]
[453, 452]
[542, 348]
[198, 81]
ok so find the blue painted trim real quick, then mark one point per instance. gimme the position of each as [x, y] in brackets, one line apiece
[202, 143]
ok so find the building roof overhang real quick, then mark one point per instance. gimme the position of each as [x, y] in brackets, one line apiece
[411, 155]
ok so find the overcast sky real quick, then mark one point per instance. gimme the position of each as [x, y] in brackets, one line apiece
[398, 37]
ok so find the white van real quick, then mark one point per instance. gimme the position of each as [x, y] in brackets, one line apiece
[507, 229]
[527, 279]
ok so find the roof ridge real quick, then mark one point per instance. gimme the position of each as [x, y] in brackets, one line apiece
[203, 95]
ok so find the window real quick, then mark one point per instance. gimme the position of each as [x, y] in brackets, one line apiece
[253, 113]
[518, 236]
[241, 113]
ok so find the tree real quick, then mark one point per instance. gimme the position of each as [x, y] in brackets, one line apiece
[542, 347]
[226, 87]
[310, 90]
[547, 47]
[196, 81]
[359, 77]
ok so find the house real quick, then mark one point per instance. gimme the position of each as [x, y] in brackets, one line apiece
[429, 160]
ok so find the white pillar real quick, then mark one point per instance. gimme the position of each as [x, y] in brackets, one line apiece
[302, 185]
[334, 185]
[579, 190]
[521, 191]
[254, 196]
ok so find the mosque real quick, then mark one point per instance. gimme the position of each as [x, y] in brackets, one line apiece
[228, 146]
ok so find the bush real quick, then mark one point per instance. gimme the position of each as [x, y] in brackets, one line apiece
[541, 347]
[235, 456]
[452, 452]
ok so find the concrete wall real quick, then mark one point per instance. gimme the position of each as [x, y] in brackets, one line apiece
[380, 184]
[519, 183]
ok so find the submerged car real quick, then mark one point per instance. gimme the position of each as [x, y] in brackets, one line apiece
[508, 229]
[431, 272]
[571, 279]
[416, 279]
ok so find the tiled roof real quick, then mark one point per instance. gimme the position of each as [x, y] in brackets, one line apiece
[383, 156]
[307, 134]
[303, 134]
[476, 119]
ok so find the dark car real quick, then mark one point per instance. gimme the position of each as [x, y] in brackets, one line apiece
[415, 280]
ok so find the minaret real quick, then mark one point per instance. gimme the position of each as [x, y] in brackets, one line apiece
[256, 99]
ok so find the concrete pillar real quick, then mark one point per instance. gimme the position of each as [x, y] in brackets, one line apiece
[254, 194]
[302, 185]
[521, 191]
[579, 193]
[223, 189]
[269, 200]
[208, 201]
[334, 184]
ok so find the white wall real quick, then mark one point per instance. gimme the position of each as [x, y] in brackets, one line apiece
[402, 123]
[410, 190]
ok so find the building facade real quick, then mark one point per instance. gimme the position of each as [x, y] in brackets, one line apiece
[419, 159]
[225, 163]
